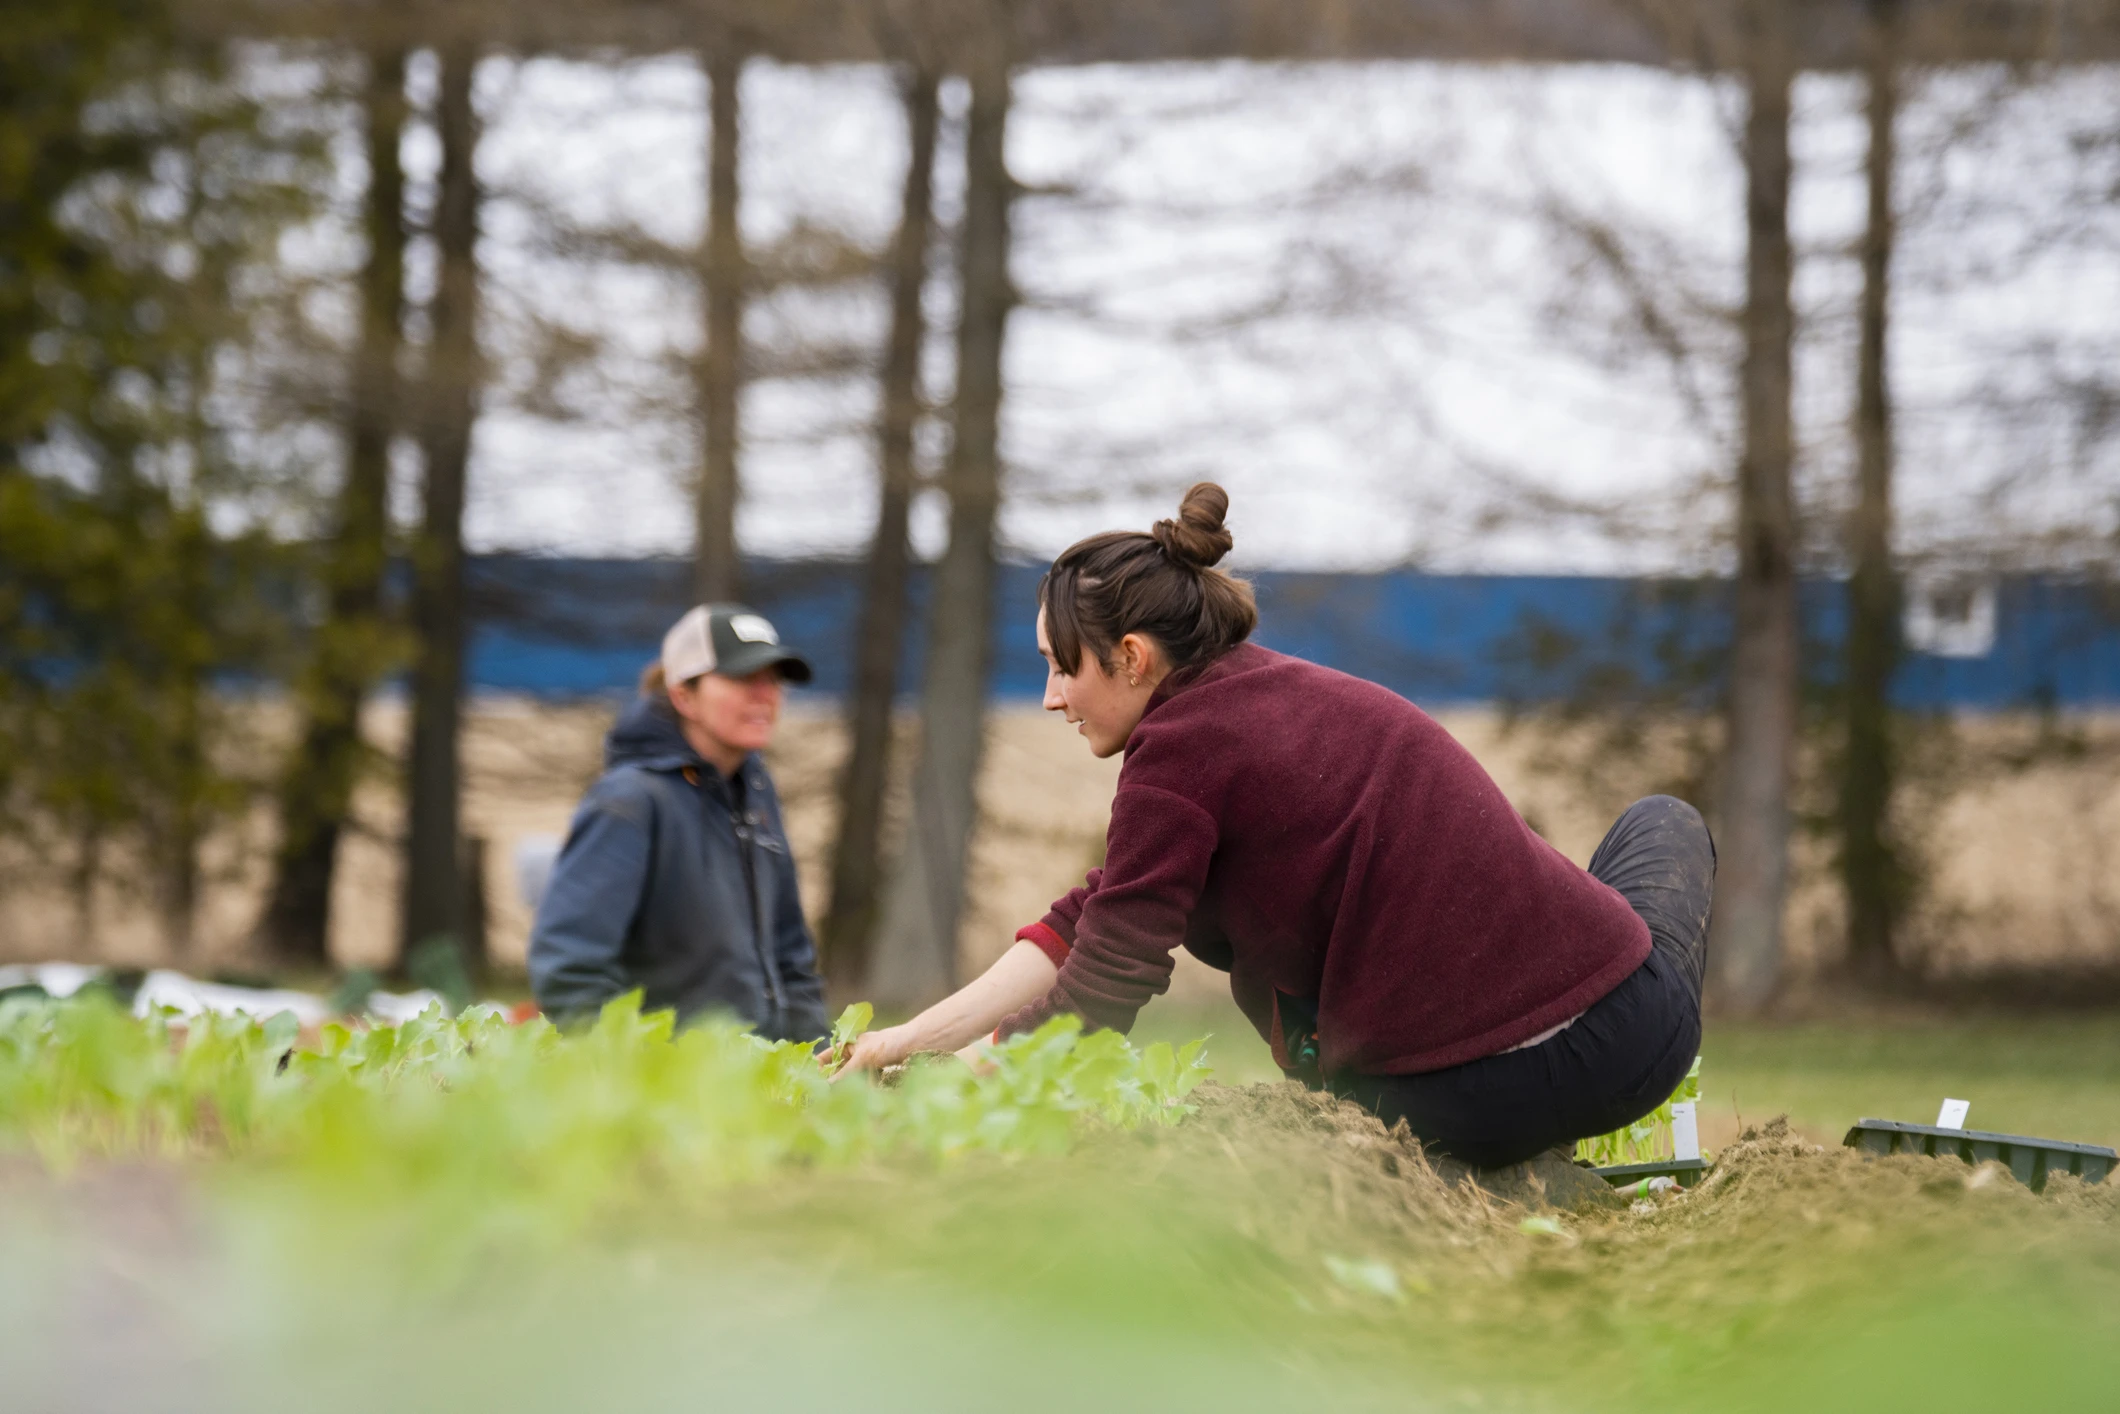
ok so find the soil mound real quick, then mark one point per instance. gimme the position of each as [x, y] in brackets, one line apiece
[1387, 1171]
[1305, 1173]
[1357, 1140]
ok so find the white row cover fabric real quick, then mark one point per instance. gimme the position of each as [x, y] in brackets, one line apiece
[162, 989]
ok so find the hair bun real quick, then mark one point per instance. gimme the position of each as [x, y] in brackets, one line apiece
[1197, 536]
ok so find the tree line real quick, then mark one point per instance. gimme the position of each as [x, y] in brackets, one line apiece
[150, 380]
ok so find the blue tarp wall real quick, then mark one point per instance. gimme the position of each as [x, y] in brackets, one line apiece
[576, 627]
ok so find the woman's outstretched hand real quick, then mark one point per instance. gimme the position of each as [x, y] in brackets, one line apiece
[873, 1050]
[894, 1045]
[1020, 976]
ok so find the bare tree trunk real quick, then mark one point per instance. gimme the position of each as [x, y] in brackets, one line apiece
[857, 859]
[183, 831]
[179, 827]
[916, 952]
[351, 644]
[1762, 709]
[82, 879]
[434, 891]
[718, 575]
[1871, 870]
[182, 838]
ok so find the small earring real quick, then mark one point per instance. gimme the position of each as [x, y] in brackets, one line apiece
[1134, 679]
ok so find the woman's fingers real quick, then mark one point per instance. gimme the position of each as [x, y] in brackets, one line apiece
[874, 1050]
[893, 1045]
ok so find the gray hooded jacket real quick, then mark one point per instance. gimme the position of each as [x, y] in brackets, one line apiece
[677, 882]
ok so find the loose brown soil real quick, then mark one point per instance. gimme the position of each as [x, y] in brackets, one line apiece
[1353, 1144]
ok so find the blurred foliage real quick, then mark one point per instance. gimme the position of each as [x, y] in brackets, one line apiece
[437, 964]
[142, 187]
[483, 1121]
[480, 1215]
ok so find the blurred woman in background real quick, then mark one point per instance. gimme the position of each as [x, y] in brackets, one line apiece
[676, 877]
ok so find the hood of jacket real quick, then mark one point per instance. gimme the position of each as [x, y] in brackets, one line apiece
[647, 734]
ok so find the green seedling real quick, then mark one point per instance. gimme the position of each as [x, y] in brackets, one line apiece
[1648, 1139]
[483, 1127]
[845, 1032]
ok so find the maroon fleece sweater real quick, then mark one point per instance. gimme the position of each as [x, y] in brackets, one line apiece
[1320, 836]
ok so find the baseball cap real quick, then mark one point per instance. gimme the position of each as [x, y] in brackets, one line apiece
[728, 639]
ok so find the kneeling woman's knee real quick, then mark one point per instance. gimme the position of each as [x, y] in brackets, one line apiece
[1670, 813]
[1668, 808]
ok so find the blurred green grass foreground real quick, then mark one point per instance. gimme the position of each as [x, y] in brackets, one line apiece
[462, 1214]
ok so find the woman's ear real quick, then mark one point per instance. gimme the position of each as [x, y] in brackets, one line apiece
[680, 695]
[1137, 657]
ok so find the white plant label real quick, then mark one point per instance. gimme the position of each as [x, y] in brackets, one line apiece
[1685, 1131]
[1952, 1115]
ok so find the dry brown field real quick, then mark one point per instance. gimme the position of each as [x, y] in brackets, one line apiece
[2022, 858]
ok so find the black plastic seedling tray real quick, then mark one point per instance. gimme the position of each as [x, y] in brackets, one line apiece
[2031, 1160]
[1686, 1171]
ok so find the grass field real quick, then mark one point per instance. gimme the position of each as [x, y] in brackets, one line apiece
[2054, 1077]
[483, 1221]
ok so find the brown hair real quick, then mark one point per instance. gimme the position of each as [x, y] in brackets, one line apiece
[654, 683]
[1162, 585]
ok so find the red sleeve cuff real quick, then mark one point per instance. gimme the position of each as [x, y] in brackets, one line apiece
[1042, 937]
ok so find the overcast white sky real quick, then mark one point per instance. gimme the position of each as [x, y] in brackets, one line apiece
[1346, 292]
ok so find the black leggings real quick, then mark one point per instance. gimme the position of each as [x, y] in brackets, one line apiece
[1621, 1058]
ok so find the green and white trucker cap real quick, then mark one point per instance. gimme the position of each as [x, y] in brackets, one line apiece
[728, 639]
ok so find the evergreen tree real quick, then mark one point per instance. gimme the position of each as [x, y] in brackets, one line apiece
[138, 183]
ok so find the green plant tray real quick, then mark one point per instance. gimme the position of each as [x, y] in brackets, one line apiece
[2030, 1160]
[1686, 1171]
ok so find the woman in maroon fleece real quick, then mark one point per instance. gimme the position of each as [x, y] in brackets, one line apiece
[1388, 921]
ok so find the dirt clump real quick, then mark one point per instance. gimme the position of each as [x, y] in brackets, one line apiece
[1772, 1165]
[1356, 1144]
